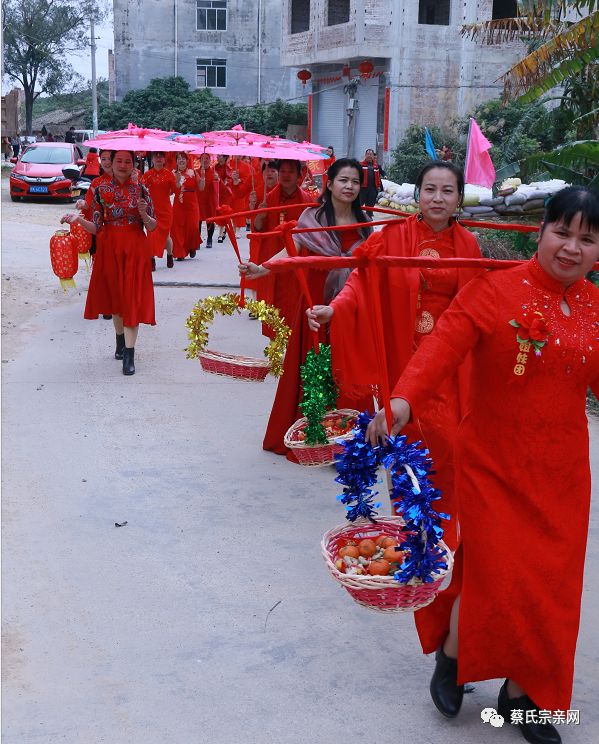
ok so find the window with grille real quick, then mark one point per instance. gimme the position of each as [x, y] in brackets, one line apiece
[211, 73]
[434, 12]
[300, 16]
[338, 12]
[504, 9]
[211, 15]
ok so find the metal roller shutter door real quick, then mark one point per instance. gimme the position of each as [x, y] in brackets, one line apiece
[331, 120]
[366, 125]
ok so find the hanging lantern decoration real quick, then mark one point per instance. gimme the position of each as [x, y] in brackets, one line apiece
[346, 71]
[304, 76]
[64, 258]
[365, 67]
[83, 242]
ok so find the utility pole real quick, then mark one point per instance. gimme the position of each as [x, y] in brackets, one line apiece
[94, 90]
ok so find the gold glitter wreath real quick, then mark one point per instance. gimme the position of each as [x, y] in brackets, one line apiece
[203, 313]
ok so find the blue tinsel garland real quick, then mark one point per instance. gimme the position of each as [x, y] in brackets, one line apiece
[357, 468]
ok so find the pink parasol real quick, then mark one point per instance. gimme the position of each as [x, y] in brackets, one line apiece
[268, 150]
[134, 130]
[137, 143]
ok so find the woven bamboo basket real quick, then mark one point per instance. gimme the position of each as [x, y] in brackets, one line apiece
[381, 593]
[233, 365]
[319, 455]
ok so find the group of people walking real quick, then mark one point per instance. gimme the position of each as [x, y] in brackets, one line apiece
[490, 371]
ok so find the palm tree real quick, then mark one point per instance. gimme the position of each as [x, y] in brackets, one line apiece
[564, 52]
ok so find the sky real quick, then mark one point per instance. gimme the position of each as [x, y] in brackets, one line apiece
[104, 42]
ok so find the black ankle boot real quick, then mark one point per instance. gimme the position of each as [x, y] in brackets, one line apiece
[120, 345]
[535, 731]
[129, 361]
[446, 693]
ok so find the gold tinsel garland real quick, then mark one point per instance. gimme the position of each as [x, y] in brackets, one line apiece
[203, 314]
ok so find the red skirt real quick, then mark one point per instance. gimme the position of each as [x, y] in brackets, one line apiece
[121, 280]
[185, 231]
[157, 238]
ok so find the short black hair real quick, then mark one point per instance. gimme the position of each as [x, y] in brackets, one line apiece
[114, 152]
[270, 164]
[296, 163]
[573, 200]
[446, 165]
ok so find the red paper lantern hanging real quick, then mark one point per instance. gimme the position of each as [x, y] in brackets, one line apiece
[64, 257]
[346, 71]
[82, 240]
[304, 76]
[365, 67]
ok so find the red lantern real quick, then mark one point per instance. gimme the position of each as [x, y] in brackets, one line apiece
[304, 76]
[365, 67]
[346, 71]
[64, 258]
[82, 240]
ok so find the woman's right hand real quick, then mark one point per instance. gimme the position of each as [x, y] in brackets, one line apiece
[377, 429]
[252, 271]
[318, 315]
[69, 218]
[80, 204]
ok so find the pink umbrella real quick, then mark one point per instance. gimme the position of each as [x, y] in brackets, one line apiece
[134, 130]
[269, 150]
[137, 143]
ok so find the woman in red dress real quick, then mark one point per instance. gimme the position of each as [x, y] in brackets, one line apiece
[413, 301]
[121, 281]
[224, 178]
[522, 468]
[186, 216]
[207, 196]
[340, 205]
[160, 182]
[241, 177]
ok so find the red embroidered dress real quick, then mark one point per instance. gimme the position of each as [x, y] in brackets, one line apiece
[185, 231]
[160, 184]
[121, 280]
[522, 473]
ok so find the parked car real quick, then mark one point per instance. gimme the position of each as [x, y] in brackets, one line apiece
[38, 171]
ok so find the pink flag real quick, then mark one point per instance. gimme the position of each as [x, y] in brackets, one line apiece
[479, 169]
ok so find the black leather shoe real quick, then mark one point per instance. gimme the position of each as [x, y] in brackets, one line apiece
[107, 317]
[169, 261]
[192, 254]
[209, 243]
[120, 346]
[129, 361]
[537, 731]
[447, 695]
[153, 264]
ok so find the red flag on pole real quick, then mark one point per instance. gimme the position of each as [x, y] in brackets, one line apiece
[479, 169]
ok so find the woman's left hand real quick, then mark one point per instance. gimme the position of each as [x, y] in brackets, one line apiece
[252, 270]
[69, 218]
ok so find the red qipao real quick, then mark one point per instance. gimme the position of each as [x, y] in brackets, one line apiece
[225, 194]
[241, 191]
[208, 196]
[89, 195]
[522, 471]
[121, 280]
[161, 184]
[280, 290]
[412, 302]
[185, 231]
[285, 409]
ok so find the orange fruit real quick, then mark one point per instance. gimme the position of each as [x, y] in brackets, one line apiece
[351, 550]
[392, 555]
[379, 568]
[384, 541]
[367, 548]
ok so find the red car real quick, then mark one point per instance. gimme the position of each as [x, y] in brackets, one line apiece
[38, 171]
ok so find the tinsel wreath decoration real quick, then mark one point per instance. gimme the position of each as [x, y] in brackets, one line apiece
[410, 468]
[319, 392]
[203, 314]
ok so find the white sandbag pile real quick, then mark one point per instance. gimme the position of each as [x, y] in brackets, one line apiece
[513, 198]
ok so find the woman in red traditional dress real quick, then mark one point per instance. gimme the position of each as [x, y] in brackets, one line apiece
[207, 196]
[121, 281]
[340, 205]
[186, 215]
[91, 169]
[242, 178]
[522, 468]
[413, 300]
[224, 178]
[160, 182]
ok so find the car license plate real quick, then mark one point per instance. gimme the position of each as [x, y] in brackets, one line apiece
[75, 192]
[38, 189]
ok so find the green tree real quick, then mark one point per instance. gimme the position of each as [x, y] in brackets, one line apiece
[38, 36]
[410, 154]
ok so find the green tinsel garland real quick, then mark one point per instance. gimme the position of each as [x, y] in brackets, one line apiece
[320, 392]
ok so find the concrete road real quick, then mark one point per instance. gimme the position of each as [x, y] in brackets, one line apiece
[209, 618]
